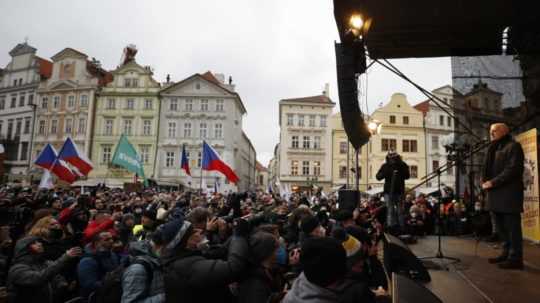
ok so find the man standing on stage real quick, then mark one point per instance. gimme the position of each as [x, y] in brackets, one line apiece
[394, 172]
[503, 181]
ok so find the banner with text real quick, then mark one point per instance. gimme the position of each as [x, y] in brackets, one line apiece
[531, 207]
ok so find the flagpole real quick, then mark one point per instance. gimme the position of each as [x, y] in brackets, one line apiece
[202, 155]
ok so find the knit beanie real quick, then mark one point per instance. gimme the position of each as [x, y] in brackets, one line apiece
[323, 260]
[150, 214]
[309, 224]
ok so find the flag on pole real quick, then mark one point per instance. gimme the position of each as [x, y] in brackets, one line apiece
[48, 159]
[70, 154]
[216, 185]
[211, 161]
[126, 156]
[46, 180]
[184, 163]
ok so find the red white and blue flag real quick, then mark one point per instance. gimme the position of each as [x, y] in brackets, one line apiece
[211, 161]
[184, 163]
[48, 159]
[71, 155]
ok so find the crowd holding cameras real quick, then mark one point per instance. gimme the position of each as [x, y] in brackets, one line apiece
[109, 245]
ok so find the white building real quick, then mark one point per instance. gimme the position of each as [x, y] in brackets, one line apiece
[438, 129]
[20, 80]
[203, 107]
[305, 154]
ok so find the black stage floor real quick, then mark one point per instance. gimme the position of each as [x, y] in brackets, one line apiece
[474, 279]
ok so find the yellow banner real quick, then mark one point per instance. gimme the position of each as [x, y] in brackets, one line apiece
[530, 219]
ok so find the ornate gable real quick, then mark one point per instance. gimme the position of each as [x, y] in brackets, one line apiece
[68, 53]
[196, 85]
[60, 85]
[21, 49]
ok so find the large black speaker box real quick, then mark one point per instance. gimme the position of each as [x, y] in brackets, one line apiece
[405, 290]
[398, 258]
[348, 199]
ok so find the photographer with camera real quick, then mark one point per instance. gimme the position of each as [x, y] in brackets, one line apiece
[394, 172]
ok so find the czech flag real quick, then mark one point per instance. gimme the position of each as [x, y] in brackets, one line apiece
[71, 155]
[184, 164]
[211, 161]
[49, 160]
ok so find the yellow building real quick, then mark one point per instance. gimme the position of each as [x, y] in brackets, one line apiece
[340, 149]
[403, 132]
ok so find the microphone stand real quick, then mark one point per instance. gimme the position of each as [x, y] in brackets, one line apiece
[440, 254]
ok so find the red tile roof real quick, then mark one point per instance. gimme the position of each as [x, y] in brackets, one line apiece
[210, 77]
[45, 67]
[260, 167]
[312, 99]
[423, 106]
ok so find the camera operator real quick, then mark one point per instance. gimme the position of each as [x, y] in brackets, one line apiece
[394, 172]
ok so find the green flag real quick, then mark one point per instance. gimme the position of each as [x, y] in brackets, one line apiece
[126, 156]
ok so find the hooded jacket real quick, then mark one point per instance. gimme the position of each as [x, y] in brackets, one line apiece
[31, 278]
[343, 292]
[93, 267]
[135, 280]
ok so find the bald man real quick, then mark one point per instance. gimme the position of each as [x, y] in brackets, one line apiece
[503, 182]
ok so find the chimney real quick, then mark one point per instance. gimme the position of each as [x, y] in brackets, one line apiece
[326, 91]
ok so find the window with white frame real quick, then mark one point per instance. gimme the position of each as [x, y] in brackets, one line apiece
[187, 130]
[317, 168]
[294, 143]
[127, 82]
[300, 120]
[435, 143]
[2, 102]
[145, 153]
[56, 101]
[204, 105]
[189, 105]
[71, 101]
[343, 147]
[111, 103]
[172, 130]
[294, 168]
[69, 125]
[343, 172]
[290, 119]
[22, 97]
[26, 126]
[42, 126]
[54, 126]
[106, 152]
[414, 171]
[128, 127]
[84, 100]
[218, 131]
[199, 159]
[147, 127]
[203, 130]
[305, 168]
[317, 142]
[13, 100]
[306, 142]
[173, 105]
[109, 125]
[130, 104]
[323, 121]
[148, 104]
[82, 126]
[312, 120]
[44, 103]
[169, 159]
[219, 105]
[135, 82]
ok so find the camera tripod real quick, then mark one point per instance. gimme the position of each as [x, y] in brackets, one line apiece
[440, 256]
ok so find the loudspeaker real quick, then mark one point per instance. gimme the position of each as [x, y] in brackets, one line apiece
[348, 199]
[405, 290]
[351, 61]
[398, 258]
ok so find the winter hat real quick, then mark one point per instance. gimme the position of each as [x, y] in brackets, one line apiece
[343, 215]
[127, 217]
[150, 214]
[351, 245]
[309, 224]
[323, 260]
[173, 233]
[262, 245]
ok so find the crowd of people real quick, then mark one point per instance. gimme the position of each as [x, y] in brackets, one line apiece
[110, 245]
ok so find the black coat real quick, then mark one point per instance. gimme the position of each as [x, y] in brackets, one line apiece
[259, 287]
[386, 172]
[504, 168]
[192, 278]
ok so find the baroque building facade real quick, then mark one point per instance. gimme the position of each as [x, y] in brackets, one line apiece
[18, 85]
[201, 108]
[128, 105]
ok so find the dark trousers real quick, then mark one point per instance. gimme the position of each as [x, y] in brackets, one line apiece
[509, 230]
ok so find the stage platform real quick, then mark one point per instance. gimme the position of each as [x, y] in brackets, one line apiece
[474, 279]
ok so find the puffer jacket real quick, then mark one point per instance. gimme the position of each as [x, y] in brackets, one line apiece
[32, 278]
[93, 267]
[190, 277]
[136, 286]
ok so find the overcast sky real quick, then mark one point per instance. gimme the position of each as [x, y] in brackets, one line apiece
[273, 49]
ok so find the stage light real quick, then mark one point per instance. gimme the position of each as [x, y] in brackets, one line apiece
[356, 22]
[374, 127]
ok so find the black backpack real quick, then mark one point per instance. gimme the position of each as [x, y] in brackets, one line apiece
[111, 289]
